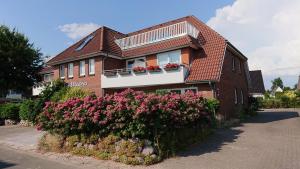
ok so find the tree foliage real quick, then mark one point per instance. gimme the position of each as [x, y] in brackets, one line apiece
[20, 61]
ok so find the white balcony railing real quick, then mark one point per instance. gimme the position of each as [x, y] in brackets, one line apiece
[121, 78]
[156, 35]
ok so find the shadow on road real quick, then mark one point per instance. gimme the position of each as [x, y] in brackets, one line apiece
[5, 164]
[214, 143]
[270, 116]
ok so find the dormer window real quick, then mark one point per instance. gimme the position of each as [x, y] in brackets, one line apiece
[86, 41]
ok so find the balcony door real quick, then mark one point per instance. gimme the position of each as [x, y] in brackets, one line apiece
[131, 63]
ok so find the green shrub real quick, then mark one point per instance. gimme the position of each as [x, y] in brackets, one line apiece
[58, 95]
[75, 92]
[27, 111]
[10, 111]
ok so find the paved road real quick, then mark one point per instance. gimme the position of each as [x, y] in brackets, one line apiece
[269, 141]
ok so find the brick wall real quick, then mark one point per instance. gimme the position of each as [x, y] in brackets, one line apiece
[229, 81]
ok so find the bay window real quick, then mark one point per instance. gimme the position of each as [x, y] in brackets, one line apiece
[169, 57]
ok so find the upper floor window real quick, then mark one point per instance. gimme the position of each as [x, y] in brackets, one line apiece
[82, 68]
[91, 66]
[136, 62]
[84, 42]
[70, 70]
[62, 71]
[233, 64]
[235, 97]
[169, 57]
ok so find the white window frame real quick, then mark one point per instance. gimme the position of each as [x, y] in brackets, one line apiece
[70, 72]
[242, 97]
[47, 77]
[235, 96]
[92, 70]
[62, 71]
[135, 59]
[82, 72]
[168, 53]
[183, 89]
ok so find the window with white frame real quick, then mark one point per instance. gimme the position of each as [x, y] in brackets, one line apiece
[242, 97]
[131, 63]
[183, 90]
[62, 71]
[169, 57]
[82, 68]
[47, 77]
[235, 97]
[91, 66]
[70, 70]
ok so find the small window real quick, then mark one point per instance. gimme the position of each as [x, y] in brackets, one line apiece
[91, 66]
[233, 64]
[169, 57]
[62, 71]
[136, 62]
[235, 97]
[242, 97]
[70, 70]
[47, 77]
[82, 68]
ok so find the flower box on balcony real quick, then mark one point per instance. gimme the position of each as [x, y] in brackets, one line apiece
[171, 66]
[139, 69]
[154, 69]
[125, 72]
[110, 73]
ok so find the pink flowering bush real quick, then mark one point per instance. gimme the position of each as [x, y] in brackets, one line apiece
[129, 114]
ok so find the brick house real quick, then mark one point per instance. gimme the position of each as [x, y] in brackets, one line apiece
[257, 88]
[202, 60]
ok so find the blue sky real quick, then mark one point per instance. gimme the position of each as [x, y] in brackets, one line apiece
[259, 32]
[40, 20]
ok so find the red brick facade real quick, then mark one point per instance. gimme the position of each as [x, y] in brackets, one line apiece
[208, 58]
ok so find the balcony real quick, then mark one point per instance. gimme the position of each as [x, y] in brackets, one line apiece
[156, 35]
[124, 78]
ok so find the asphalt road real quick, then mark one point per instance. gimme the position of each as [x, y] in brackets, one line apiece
[269, 141]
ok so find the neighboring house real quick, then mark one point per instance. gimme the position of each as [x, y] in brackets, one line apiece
[47, 74]
[104, 62]
[276, 90]
[257, 88]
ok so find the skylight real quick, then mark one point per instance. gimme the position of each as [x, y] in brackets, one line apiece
[86, 40]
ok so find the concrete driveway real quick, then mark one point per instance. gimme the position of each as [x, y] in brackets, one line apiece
[269, 141]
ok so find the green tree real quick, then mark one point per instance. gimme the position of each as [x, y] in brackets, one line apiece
[277, 82]
[20, 62]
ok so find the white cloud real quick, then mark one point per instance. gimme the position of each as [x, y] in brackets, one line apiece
[267, 32]
[76, 31]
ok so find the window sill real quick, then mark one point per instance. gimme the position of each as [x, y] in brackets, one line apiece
[62, 78]
[80, 76]
[92, 74]
[71, 77]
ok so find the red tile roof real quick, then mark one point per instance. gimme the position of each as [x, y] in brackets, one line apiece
[47, 69]
[207, 68]
[257, 82]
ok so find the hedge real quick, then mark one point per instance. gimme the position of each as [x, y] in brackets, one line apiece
[130, 114]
